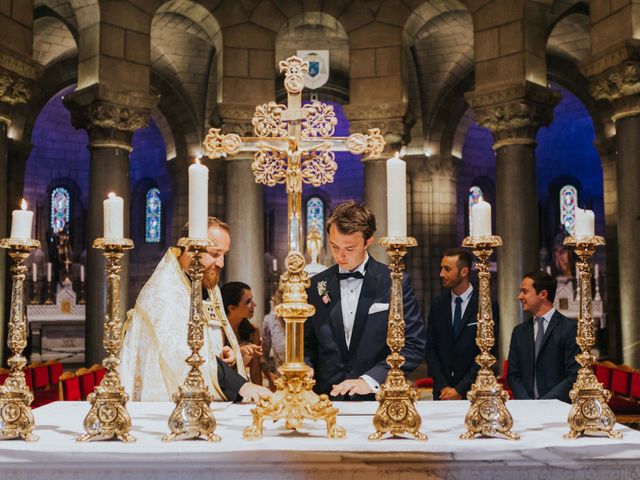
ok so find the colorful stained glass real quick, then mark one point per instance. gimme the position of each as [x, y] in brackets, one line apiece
[475, 195]
[315, 216]
[60, 206]
[153, 221]
[568, 203]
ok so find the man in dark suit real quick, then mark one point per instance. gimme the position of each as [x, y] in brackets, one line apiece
[542, 354]
[451, 329]
[346, 338]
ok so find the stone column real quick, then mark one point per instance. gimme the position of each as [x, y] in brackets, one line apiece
[389, 119]
[608, 157]
[514, 115]
[245, 262]
[620, 85]
[110, 127]
[15, 90]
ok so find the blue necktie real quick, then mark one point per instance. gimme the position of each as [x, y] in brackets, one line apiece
[457, 317]
[538, 344]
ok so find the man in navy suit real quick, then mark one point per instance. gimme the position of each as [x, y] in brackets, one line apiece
[542, 354]
[346, 338]
[451, 329]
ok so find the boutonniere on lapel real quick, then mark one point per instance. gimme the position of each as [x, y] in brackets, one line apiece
[324, 292]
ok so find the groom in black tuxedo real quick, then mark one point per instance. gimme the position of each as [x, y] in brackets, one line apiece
[346, 338]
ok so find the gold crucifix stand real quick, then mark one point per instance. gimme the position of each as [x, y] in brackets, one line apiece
[294, 145]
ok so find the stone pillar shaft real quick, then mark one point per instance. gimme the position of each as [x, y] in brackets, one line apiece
[108, 172]
[4, 232]
[628, 137]
[245, 261]
[517, 224]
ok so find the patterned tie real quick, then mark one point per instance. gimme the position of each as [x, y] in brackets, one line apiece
[539, 338]
[457, 317]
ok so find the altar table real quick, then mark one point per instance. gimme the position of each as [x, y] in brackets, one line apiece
[541, 453]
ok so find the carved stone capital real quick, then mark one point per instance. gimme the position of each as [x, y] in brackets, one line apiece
[619, 85]
[13, 88]
[514, 114]
[234, 118]
[109, 122]
[388, 117]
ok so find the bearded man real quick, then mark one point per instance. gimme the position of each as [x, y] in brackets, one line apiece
[155, 345]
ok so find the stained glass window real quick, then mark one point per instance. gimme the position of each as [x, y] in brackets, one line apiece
[568, 202]
[60, 206]
[153, 210]
[315, 216]
[475, 195]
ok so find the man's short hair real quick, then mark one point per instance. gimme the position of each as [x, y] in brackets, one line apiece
[464, 257]
[212, 221]
[352, 217]
[543, 281]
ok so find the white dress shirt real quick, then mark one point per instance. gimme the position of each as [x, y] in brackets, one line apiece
[466, 296]
[350, 289]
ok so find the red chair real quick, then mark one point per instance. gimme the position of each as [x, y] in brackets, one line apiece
[87, 381]
[4, 374]
[621, 380]
[98, 373]
[55, 370]
[40, 373]
[69, 387]
[635, 385]
[603, 374]
[426, 382]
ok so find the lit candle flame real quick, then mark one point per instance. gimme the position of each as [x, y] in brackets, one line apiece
[112, 195]
[23, 204]
[198, 159]
[397, 155]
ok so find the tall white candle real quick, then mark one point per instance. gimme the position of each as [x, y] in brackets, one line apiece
[21, 222]
[34, 272]
[585, 223]
[274, 263]
[113, 217]
[82, 273]
[396, 197]
[481, 219]
[597, 271]
[48, 271]
[198, 200]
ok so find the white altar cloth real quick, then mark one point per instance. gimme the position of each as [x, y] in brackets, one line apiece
[541, 452]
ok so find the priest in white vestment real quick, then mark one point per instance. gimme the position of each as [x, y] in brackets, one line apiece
[155, 345]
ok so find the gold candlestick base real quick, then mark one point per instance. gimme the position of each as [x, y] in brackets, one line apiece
[294, 400]
[192, 416]
[16, 417]
[108, 417]
[396, 414]
[488, 415]
[590, 413]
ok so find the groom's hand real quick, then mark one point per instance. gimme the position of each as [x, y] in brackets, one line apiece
[228, 356]
[250, 392]
[354, 386]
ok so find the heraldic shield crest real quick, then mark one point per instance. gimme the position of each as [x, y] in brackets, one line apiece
[318, 67]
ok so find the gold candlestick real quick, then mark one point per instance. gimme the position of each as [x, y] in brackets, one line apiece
[16, 418]
[108, 417]
[590, 414]
[192, 416]
[396, 414]
[48, 294]
[35, 300]
[488, 415]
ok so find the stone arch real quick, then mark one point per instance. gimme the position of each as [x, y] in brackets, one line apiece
[316, 31]
[52, 40]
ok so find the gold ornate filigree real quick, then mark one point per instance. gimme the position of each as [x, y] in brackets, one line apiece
[192, 416]
[371, 145]
[269, 166]
[590, 413]
[319, 166]
[294, 69]
[108, 417]
[267, 121]
[320, 120]
[488, 415]
[16, 418]
[396, 414]
[217, 144]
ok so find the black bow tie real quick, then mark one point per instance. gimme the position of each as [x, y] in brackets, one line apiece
[344, 276]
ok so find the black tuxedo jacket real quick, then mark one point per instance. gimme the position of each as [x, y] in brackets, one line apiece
[451, 361]
[230, 381]
[556, 368]
[325, 346]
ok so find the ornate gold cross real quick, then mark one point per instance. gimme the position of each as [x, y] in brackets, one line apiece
[293, 145]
